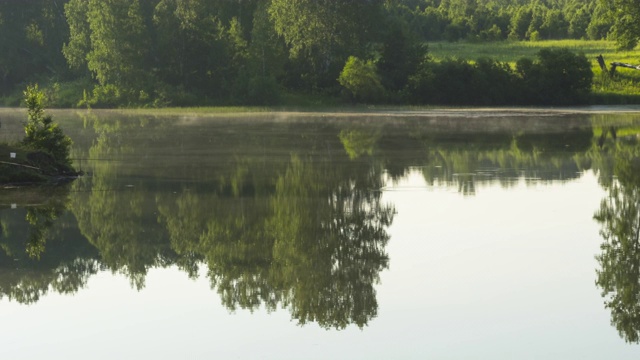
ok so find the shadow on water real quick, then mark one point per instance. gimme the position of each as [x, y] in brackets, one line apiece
[289, 214]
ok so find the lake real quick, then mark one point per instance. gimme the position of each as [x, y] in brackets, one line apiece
[438, 234]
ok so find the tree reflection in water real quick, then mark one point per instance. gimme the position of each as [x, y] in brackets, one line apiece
[619, 216]
[314, 244]
[293, 219]
[306, 232]
[40, 249]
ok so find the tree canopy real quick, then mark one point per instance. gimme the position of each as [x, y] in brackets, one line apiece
[167, 52]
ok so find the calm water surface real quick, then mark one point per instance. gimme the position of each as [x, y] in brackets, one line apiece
[435, 235]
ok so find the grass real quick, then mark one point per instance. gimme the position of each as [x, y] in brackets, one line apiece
[623, 88]
[511, 51]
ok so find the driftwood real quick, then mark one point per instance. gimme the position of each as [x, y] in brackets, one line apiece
[614, 65]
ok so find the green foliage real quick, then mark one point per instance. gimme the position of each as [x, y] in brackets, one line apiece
[361, 79]
[203, 52]
[625, 15]
[79, 43]
[400, 56]
[32, 36]
[620, 89]
[322, 34]
[457, 82]
[558, 77]
[41, 133]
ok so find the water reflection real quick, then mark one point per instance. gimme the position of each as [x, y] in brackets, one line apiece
[305, 232]
[40, 249]
[290, 214]
[619, 216]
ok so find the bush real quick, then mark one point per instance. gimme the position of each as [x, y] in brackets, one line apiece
[558, 77]
[457, 82]
[400, 56]
[361, 79]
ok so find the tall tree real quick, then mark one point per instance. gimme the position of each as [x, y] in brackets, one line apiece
[625, 15]
[119, 42]
[31, 35]
[325, 32]
[79, 43]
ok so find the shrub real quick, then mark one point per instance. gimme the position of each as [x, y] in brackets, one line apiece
[361, 79]
[41, 133]
[400, 56]
[557, 77]
[457, 82]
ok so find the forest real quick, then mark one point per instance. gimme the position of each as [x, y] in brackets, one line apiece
[158, 53]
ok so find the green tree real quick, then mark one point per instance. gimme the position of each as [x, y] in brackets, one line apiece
[520, 23]
[361, 79]
[79, 44]
[558, 76]
[324, 33]
[400, 56]
[625, 15]
[41, 133]
[32, 35]
[119, 43]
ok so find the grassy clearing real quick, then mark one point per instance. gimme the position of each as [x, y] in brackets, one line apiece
[624, 88]
[511, 51]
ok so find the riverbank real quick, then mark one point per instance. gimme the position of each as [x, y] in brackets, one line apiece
[20, 166]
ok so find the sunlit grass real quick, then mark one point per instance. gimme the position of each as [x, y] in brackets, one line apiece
[511, 51]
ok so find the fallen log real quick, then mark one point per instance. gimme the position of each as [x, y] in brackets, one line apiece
[619, 64]
[614, 65]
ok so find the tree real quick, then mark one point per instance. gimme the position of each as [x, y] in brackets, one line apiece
[520, 23]
[196, 52]
[32, 35]
[361, 79]
[625, 15]
[557, 77]
[79, 44]
[324, 33]
[119, 43]
[400, 56]
[41, 133]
